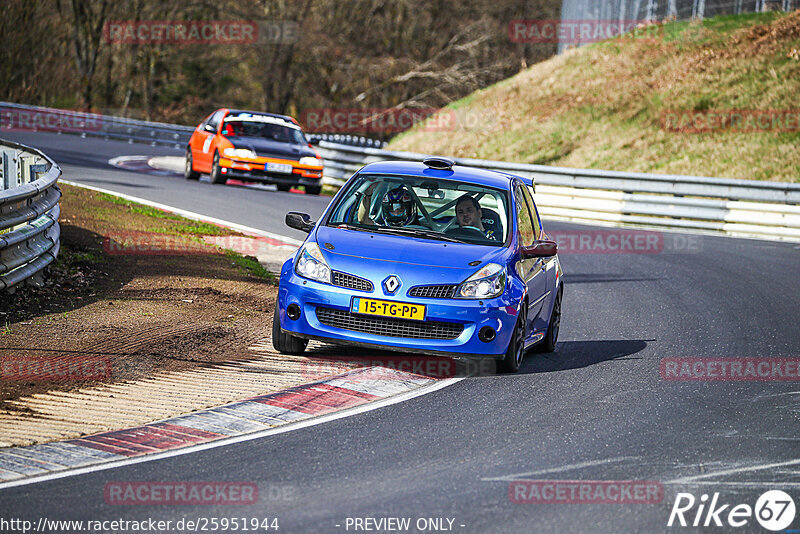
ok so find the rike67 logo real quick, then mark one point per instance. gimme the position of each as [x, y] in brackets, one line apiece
[774, 510]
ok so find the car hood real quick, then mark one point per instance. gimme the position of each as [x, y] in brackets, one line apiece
[417, 261]
[271, 148]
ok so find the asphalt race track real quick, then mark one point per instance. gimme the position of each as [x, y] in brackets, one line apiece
[597, 409]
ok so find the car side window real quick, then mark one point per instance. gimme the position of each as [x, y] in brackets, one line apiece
[524, 222]
[537, 223]
[214, 120]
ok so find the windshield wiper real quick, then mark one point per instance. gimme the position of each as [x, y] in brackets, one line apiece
[348, 226]
[415, 232]
[430, 234]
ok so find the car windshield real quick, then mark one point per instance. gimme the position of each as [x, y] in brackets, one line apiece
[425, 207]
[273, 128]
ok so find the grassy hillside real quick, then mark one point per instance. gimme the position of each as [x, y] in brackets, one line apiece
[605, 105]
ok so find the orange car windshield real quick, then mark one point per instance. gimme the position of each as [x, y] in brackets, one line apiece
[276, 132]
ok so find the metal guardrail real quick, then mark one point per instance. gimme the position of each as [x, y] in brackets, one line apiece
[767, 210]
[745, 208]
[346, 139]
[29, 210]
[21, 117]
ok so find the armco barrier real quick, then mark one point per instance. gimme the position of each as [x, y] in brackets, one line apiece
[21, 117]
[744, 208]
[29, 231]
[766, 210]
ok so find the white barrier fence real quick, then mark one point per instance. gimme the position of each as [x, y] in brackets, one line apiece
[744, 208]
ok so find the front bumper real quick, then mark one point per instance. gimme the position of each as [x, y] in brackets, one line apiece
[249, 171]
[499, 313]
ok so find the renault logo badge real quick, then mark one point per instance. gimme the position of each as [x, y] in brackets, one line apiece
[391, 285]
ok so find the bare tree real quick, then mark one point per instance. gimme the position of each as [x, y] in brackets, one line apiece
[87, 30]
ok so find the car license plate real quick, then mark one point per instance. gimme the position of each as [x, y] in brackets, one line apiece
[384, 308]
[283, 168]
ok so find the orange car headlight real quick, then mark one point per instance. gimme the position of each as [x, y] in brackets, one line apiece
[239, 153]
[310, 160]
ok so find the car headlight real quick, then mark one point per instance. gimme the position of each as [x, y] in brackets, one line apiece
[311, 160]
[487, 283]
[311, 264]
[239, 153]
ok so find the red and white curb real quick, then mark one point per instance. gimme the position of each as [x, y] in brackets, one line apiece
[247, 419]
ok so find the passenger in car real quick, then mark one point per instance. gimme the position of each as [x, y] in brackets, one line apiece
[469, 214]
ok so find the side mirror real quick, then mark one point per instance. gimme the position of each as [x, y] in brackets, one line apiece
[300, 221]
[209, 128]
[540, 249]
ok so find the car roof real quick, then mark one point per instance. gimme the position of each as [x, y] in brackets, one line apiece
[461, 173]
[285, 117]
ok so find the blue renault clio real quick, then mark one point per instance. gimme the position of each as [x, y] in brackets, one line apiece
[429, 257]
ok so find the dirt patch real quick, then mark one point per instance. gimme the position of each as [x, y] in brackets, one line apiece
[110, 314]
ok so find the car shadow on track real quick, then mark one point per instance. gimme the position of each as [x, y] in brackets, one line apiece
[578, 354]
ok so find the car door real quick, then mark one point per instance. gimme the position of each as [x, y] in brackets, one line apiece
[531, 270]
[203, 152]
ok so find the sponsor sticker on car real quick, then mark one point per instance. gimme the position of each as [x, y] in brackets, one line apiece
[383, 308]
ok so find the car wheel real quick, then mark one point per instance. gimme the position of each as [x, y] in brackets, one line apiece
[216, 173]
[548, 344]
[516, 347]
[283, 342]
[313, 189]
[188, 170]
[284, 187]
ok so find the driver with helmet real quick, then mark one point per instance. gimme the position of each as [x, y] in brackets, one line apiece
[398, 207]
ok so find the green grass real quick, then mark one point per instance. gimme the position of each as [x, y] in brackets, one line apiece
[250, 265]
[141, 209]
[188, 227]
[601, 106]
[181, 226]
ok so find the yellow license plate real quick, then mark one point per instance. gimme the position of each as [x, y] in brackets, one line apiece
[385, 308]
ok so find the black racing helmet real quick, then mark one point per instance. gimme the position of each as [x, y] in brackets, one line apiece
[398, 206]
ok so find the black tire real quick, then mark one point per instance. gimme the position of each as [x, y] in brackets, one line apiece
[188, 169]
[516, 347]
[548, 344]
[216, 173]
[284, 187]
[285, 343]
[313, 189]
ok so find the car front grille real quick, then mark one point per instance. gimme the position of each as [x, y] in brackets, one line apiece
[433, 292]
[351, 282]
[387, 326]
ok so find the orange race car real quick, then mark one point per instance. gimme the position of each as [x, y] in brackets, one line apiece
[253, 147]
